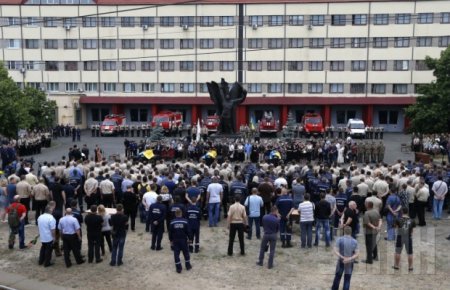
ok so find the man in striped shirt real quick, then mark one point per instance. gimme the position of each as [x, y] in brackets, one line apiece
[306, 211]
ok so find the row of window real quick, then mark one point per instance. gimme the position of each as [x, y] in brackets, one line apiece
[252, 43]
[209, 21]
[291, 88]
[337, 65]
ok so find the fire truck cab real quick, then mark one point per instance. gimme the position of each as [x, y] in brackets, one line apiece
[111, 123]
[212, 123]
[169, 121]
[268, 124]
[312, 124]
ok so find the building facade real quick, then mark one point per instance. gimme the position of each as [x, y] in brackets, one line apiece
[342, 58]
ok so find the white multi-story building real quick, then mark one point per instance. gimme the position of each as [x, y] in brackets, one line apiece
[341, 58]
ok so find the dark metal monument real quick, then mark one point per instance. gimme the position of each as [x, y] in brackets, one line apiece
[226, 101]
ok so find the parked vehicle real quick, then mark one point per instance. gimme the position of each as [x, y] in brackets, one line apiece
[169, 121]
[268, 124]
[356, 128]
[312, 124]
[212, 123]
[111, 124]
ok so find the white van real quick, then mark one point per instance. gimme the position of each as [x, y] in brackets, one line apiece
[356, 128]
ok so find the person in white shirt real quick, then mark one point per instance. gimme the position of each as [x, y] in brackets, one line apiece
[363, 188]
[280, 181]
[107, 192]
[440, 190]
[306, 211]
[214, 194]
[148, 199]
[47, 227]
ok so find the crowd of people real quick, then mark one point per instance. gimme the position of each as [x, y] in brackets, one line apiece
[243, 184]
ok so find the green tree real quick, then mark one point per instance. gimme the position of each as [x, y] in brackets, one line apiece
[41, 110]
[430, 113]
[13, 106]
[291, 126]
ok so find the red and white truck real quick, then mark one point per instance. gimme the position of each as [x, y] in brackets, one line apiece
[268, 124]
[111, 124]
[312, 124]
[169, 121]
[212, 123]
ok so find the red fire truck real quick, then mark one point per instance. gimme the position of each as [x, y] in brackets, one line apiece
[312, 124]
[169, 121]
[111, 124]
[212, 123]
[268, 124]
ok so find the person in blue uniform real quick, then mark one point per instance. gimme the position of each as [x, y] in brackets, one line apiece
[179, 234]
[285, 206]
[193, 216]
[156, 215]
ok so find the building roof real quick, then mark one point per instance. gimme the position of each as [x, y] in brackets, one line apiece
[11, 2]
[146, 2]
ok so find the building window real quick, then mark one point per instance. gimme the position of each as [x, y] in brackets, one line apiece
[167, 44]
[401, 42]
[51, 44]
[338, 20]
[274, 88]
[147, 43]
[403, 18]
[109, 87]
[401, 65]
[90, 87]
[34, 85]
[108, 21]
[424, 41]
[186, 66]
[379, 65]
[206, 43]
[31, 43]
[12, 65]
[316, 42]
[357, 88]
[50, 22]
[445, 17]
[203, 88]
[109, 65]
[147, 21]
[296, 20]
[275, 43]
[167, 65]
[380, 42]
[128, 65]
[226, 65]
[128, 87]
[274, 65]
[127, 21]
[295, 88]
[337, 88]
[425, 18]
[148, 66]
[276, 20]
[400, 89]
[359, 42]
[359, 19]
[108, 43]
[89, 21]
[226, 21]
[71, 87]
[337, 65]
[187, 21]
[138, 115]
[316, 65]
[89, 43]
[186, 88]
[167, 87]
[53, 87]
[167, 21]
[227, 43]
[51, 66]
[255, 43]
[295, 43]
[32, 21]
[90, 65]
[381, 19]
[128, 44]
[444, 41]
[254, 65]
[295, 65]
[70, 22]
[148, 87]
[254, 88]
[13, 43]
[317, 20]
[206, 65]
[70, 44]
[207, 21]
[315, 88]
[358, 65]
[186, 43]
[338, 43]
[29, 65]
[255, 20]
[421, 65]
[378, 88]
